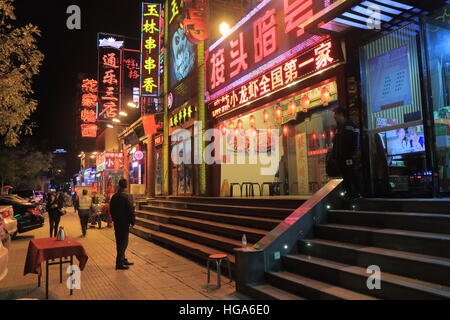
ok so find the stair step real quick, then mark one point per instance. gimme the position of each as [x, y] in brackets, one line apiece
[265, 212]
[434, 244]
[194, 248]
[414, 265]
[252, 222]
[355, 278]
[426, 222]
[312, 289]
[252, 234]
[425, 205]
[212, 240]
[266, 292]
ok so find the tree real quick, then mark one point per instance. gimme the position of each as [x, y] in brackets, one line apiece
[19, 63]
[23, 167]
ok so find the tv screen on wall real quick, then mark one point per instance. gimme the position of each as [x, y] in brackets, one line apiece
[405, 140]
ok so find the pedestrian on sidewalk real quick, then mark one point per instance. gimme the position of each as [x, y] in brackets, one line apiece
[122, 212]
[84, 210]
[108, 211]
[345, 151]
[76, 202]
[54, 215]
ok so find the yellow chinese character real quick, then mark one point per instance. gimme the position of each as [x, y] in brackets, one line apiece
[149, 84]
[175, 10]
[149, 27]
[150, 64]
[150, 44]
[151, 10]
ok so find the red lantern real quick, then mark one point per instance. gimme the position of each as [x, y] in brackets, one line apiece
[305, 103]
[325, 95]
[240, 124]
[265, 116]
[285, 130]
[252, 121]
[231, 126]
[254, 132]
[223, 129]
[292, 108]
[278, 113]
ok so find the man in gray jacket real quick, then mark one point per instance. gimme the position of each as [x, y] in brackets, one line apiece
[122, 213]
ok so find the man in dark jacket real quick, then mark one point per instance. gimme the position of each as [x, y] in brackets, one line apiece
[122, 212]
[345, 149]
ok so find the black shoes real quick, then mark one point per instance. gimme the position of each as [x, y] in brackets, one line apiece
[122, 267]
[128, 263]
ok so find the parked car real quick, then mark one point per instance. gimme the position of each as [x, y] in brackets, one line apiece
[39, 196]
[27, 215]
[10, 223]
[4, 247]
[26, 194]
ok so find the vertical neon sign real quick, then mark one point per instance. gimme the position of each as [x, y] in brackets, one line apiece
[150, 48]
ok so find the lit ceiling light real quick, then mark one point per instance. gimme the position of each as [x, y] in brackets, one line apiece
[94, 153]
[224, 28]
[116, 120]
[110, 126]
[92, 157]
[132, 104]
[123, 113]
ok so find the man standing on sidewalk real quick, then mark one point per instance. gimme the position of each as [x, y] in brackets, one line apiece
[84, 210]
[122, 212]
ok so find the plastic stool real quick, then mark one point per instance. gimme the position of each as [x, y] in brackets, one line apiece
[218, 258]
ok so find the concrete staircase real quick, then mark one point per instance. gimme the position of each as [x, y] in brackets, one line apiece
[409, 240]
[201, 226]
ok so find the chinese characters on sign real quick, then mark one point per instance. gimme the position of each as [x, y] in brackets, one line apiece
[150, 49]
[308, 62]
[110, 82]
[130, 75]
[108, 160]
[89, 89]
[181, 116]
[267, 36]
[196, 22]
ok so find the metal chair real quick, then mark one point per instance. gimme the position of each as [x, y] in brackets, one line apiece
[231, 188]
[218, 258]
[261, 189]
[248, 189]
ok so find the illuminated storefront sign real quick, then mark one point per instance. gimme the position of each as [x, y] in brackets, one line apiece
[159, 140]
[150, 49]
[267, 36]
[110, 42]
[195, 23]
[110, 82]
[318, 57]
[109, 160]
[88, 115]
[131, 76]
[185, 114]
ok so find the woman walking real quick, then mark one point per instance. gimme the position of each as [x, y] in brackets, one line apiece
[54, 215]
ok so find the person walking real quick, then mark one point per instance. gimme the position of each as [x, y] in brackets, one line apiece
[345, 149]
[122, 213]
[54, 215]
[107, 211]
[76, 202]
[84, 210]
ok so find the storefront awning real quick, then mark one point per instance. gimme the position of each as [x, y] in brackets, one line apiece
[374, 15]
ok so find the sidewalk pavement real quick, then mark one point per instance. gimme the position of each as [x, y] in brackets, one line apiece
[158, 273]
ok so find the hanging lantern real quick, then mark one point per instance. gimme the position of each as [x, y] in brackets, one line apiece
[325, 95]
[252, 121]
[314, 136]
[278, 113]
[269, 130]
[292, 107]
[240, 124]
[254, 132]
[305, 103]
[223, 129]
[285, 130]
[323, 135]
[231, 126]
[265, 116]
[331, 133]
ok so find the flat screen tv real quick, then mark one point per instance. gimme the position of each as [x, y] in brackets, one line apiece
[405, 140]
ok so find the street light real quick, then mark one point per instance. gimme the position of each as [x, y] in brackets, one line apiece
[224, 28]
[116, 120]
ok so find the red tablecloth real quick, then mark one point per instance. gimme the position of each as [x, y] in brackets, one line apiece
[40, 250]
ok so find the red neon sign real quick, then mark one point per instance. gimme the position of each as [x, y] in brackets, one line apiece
[89, 87]
[110, 71]
[327, 53]
[262, 39]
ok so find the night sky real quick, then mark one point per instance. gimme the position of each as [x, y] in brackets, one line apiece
[67, 54]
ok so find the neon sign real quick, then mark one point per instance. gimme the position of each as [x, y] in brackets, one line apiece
[150, 49]
[89, 89]
[110, 42]
[181, 116]
[317, 58]
[110, 82]
[196, 22]
[109, 160]
[267, 36]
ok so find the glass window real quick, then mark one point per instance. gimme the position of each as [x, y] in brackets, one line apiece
[437, 32]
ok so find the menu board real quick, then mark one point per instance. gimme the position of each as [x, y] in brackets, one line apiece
[389, 80]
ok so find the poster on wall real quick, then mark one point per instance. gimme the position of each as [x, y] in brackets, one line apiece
[389, 80]
[302, 163]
